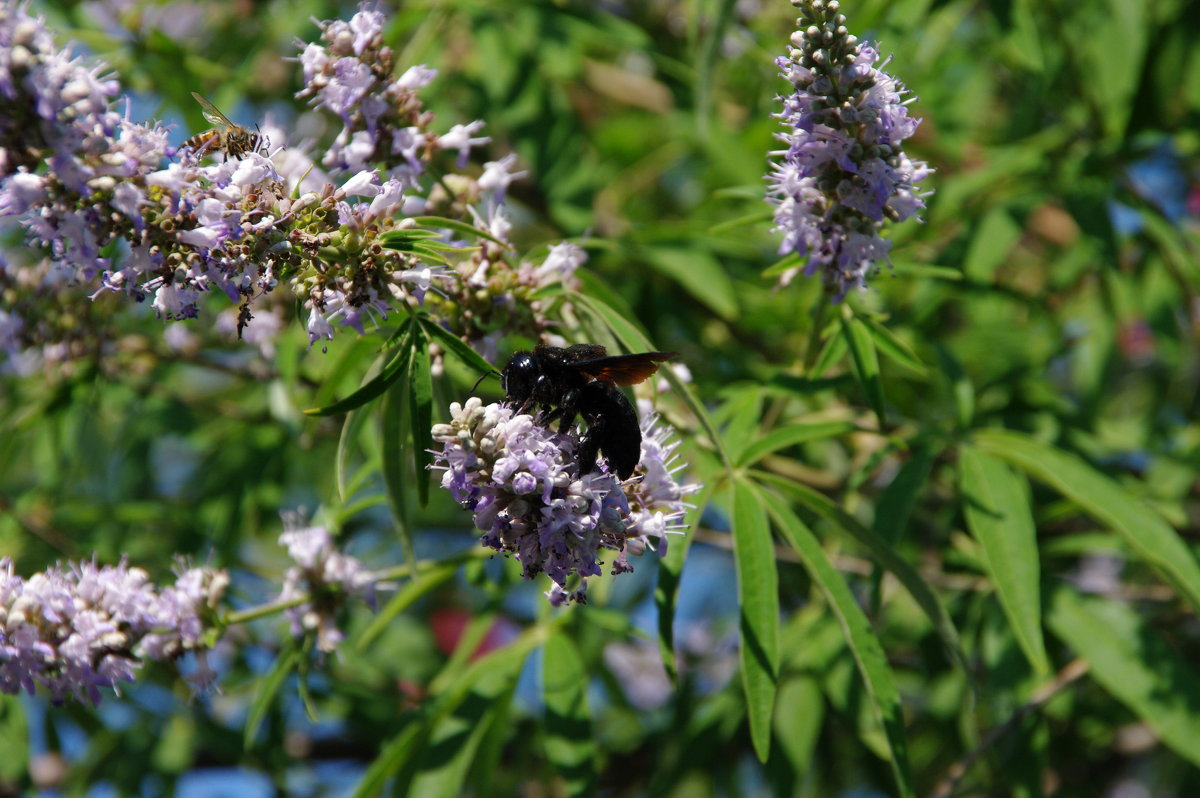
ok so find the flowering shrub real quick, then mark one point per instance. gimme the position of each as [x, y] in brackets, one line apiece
[844, 172]
[919, 535]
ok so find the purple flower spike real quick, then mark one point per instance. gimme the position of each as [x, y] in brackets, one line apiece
[844, 172]
[522, 481]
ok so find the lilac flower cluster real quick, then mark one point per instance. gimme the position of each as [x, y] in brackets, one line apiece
[326, 577]
[844, 170]
[383, 121]
[522, 482]
[108, 206]
[88, 627]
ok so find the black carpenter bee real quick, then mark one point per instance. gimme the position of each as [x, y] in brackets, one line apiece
[232, 139]
[582, 380]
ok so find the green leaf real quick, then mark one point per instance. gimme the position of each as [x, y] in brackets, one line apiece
[373, 388]
[866, 362]
[792, 434]
[670, 573]
[789, 261]
[960, 387]
[424, 582]
[758, 600]
[266, 691]
[457, 226]
[698, 273]
[420, 413]
[350, 429]
[502, 664]
[14, 739]
[455, 739]
[799, 715]
[1134, 663]
[993, 238]
[454, 345]
[883, 553]
[392, 756]
[893, 348]
[893, 509]
[570, 741]
[394, 417]
[1105, 500]
[864, 645]
[833, 350]
[749, 219]
[996, 506]
[739, 416]
[896, 503]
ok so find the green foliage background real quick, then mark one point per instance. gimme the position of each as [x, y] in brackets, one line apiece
[915, 479]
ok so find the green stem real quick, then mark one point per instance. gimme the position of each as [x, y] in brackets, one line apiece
[814, 335]
[387, 574]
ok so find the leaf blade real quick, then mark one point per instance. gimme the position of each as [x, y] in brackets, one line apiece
[863, 644]
[1104, 499]
[996, 506]
[758, 599]
[570, 743]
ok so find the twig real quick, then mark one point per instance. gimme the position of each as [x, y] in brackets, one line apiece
[1072, 672]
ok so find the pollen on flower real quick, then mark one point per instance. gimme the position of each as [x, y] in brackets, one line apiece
[843, 172]
[522, 482]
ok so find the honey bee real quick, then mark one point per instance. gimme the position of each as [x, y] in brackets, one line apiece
[234, 140]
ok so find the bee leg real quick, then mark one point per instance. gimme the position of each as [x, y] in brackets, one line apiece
[589, 451]
[566, 410]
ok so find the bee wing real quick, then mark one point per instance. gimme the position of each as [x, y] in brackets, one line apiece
[211, 113]
[624, 369]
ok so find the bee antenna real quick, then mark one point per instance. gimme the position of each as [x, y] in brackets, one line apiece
[484, 377]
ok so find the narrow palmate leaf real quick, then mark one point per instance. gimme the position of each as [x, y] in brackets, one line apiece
[394, 416]
[834, 349]
[455, 739]
[422, 583]
[996, 506]
[1134, 663]
[504, 664]
[893, 509]
[864, 645]
[451, 343]
[266, 691]
[866, 361]
[960, 387]
[570, 741]
[758, 600]
[373, 388]
[799, 715]
[739, 417]
[791, 435]
[670, 572]
[392, 756]
[882, 552]
[1104, 499]
[789, 261]
[893, 348]
[457, 226]
[14, 739]
[699, 274]
[420, 412]
[350, 429]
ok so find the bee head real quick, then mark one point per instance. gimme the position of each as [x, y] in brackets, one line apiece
[519, 376]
